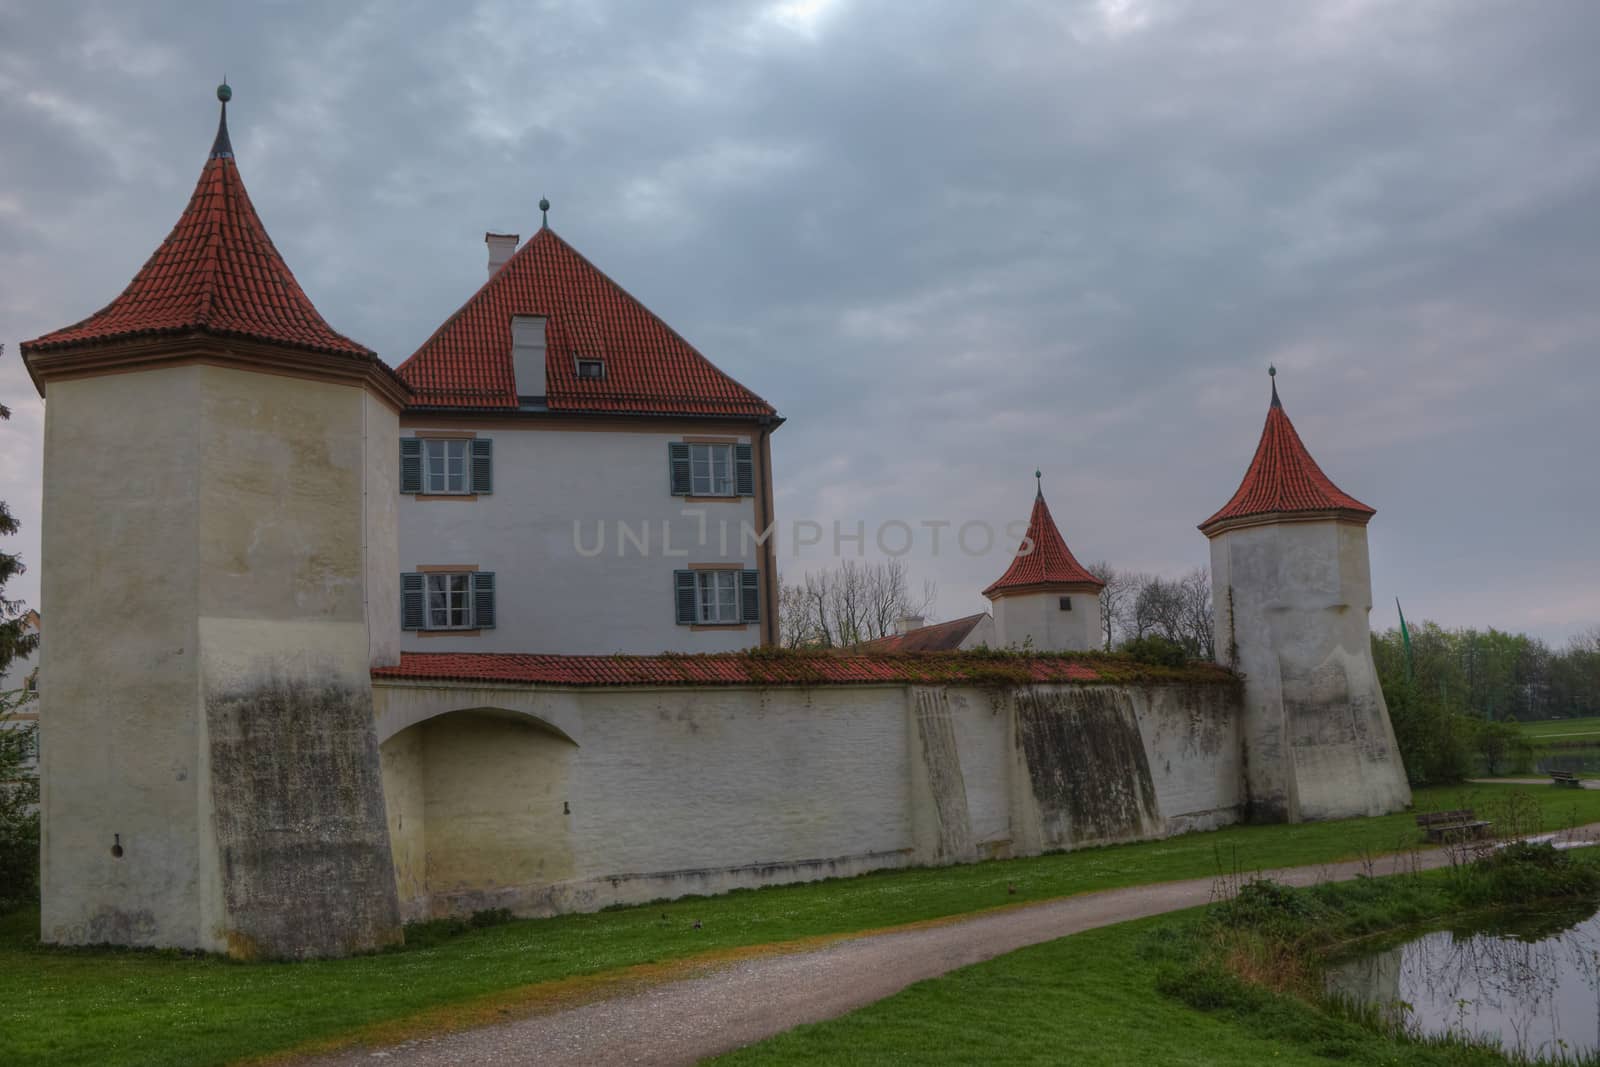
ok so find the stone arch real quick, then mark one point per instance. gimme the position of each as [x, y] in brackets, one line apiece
[478, 810]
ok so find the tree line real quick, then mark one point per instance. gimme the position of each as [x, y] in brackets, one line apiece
[1456, 699]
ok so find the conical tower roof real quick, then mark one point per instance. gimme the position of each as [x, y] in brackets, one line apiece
[1283, 479]
[649, 368]
[1043, 561]
[217, 273]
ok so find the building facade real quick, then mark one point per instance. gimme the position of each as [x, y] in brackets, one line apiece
[360, 645]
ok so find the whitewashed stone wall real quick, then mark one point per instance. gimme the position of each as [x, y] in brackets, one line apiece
[547, 801]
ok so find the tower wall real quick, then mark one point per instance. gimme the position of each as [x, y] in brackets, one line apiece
[1037, 622]
[211, 559]
[1292, 601]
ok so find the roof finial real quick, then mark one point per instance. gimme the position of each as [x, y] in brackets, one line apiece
[544, 213]
[1272, 373]
[222, 148]
[1038, 477]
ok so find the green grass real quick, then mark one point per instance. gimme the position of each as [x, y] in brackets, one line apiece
[109, 1007]
[1563, 729]
[1159, 991]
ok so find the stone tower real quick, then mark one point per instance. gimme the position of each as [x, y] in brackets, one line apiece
[220, 571]
[1292, 593]
[1046, 601]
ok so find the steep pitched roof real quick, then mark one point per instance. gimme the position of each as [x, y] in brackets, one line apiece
[218, 273]
[939, 637]
[1043, 558]
[1284, 479]
[649, 369]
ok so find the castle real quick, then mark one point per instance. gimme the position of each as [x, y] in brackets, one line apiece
[333, 646]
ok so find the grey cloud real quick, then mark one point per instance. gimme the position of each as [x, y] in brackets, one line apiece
[952, 242]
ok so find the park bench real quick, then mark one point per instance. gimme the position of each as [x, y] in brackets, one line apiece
[1566, 778]
[1443, 827]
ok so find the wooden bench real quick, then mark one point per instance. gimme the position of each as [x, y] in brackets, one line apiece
[1566, 778]
[1443, 827]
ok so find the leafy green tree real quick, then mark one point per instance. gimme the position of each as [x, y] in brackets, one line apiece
[19, 791]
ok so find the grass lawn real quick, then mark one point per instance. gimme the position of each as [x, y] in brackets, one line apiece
[1134, 993]
[111, 1007]
[1563, 729]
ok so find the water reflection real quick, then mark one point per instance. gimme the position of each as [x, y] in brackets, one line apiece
[1531, 981]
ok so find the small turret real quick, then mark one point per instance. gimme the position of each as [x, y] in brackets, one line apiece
[1046, 600]
[1292, 591]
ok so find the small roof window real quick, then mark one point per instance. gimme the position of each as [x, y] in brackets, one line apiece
[591, 368]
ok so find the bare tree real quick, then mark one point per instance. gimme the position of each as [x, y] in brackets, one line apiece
[849, 604]
[1115, 600]
[1177, 609]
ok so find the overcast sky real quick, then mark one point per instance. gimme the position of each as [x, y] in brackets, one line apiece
[951, 242]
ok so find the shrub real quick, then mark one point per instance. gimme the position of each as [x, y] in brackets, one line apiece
[1157, 651]
[19, 816]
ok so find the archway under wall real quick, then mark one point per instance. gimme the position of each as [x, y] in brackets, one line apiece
[477, 808]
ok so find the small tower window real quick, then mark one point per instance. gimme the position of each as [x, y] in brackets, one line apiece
[1066, 603]
[591, 368]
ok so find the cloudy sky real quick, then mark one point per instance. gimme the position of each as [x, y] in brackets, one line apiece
[952, 242]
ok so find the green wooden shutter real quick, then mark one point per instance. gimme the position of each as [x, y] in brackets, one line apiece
[482, 465]
[683, 584]
[413, 602]
[483, 599]
[750, 596]
[678, 467]
[744, 470]
[411, 464]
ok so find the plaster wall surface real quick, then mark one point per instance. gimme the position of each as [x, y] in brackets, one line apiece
[380, 490]
[568, 579]
[123, 752]
[1035, 621]
[982, 635]
[215, 707]
[607, 796]
[1292, 603]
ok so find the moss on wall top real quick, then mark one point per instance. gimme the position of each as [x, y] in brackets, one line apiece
[792, 667]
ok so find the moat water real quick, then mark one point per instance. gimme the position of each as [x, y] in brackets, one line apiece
[1529, 981]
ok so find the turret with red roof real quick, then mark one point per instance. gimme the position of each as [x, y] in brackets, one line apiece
[1046, 600]
[1291, 591]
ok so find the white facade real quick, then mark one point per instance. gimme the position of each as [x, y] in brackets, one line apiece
[1291, 601]
[584, 536]
[1048, 621]
[550, 800]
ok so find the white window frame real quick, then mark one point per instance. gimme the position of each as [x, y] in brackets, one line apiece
[711, 469]
[716, 597]
[446, 466]
[445, 586]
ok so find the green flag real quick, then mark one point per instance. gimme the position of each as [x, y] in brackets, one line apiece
[1405, 640]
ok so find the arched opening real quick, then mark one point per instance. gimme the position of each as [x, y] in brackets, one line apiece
[477, 805]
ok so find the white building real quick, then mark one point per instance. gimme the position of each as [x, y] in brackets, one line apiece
[576, 478]
[1046, 601]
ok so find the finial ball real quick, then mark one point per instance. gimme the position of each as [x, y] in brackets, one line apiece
[1038, 474]
[224, 93]
[1272, 372]
[544, 205]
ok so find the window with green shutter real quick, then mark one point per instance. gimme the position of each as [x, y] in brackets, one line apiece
[411, 464]
[447, 600]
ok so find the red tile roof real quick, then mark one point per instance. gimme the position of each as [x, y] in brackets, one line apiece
[1043, 559]
[939, 637]
[218, 273]
[734, 669]
[1283, 478]
[649, 369]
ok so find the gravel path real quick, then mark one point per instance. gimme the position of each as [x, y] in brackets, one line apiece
[684, 1021]
[1586, 783]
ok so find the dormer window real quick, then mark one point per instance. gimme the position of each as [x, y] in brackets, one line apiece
[591, 368]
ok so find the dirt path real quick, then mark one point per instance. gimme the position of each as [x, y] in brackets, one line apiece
[684, 1021]
[1586, 783]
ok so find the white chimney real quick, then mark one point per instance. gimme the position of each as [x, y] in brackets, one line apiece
[527, 354]
[906, 623]
[501, 246]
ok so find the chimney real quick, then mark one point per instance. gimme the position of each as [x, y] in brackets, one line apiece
[527, 354]
[906, 623]
[501, 245]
